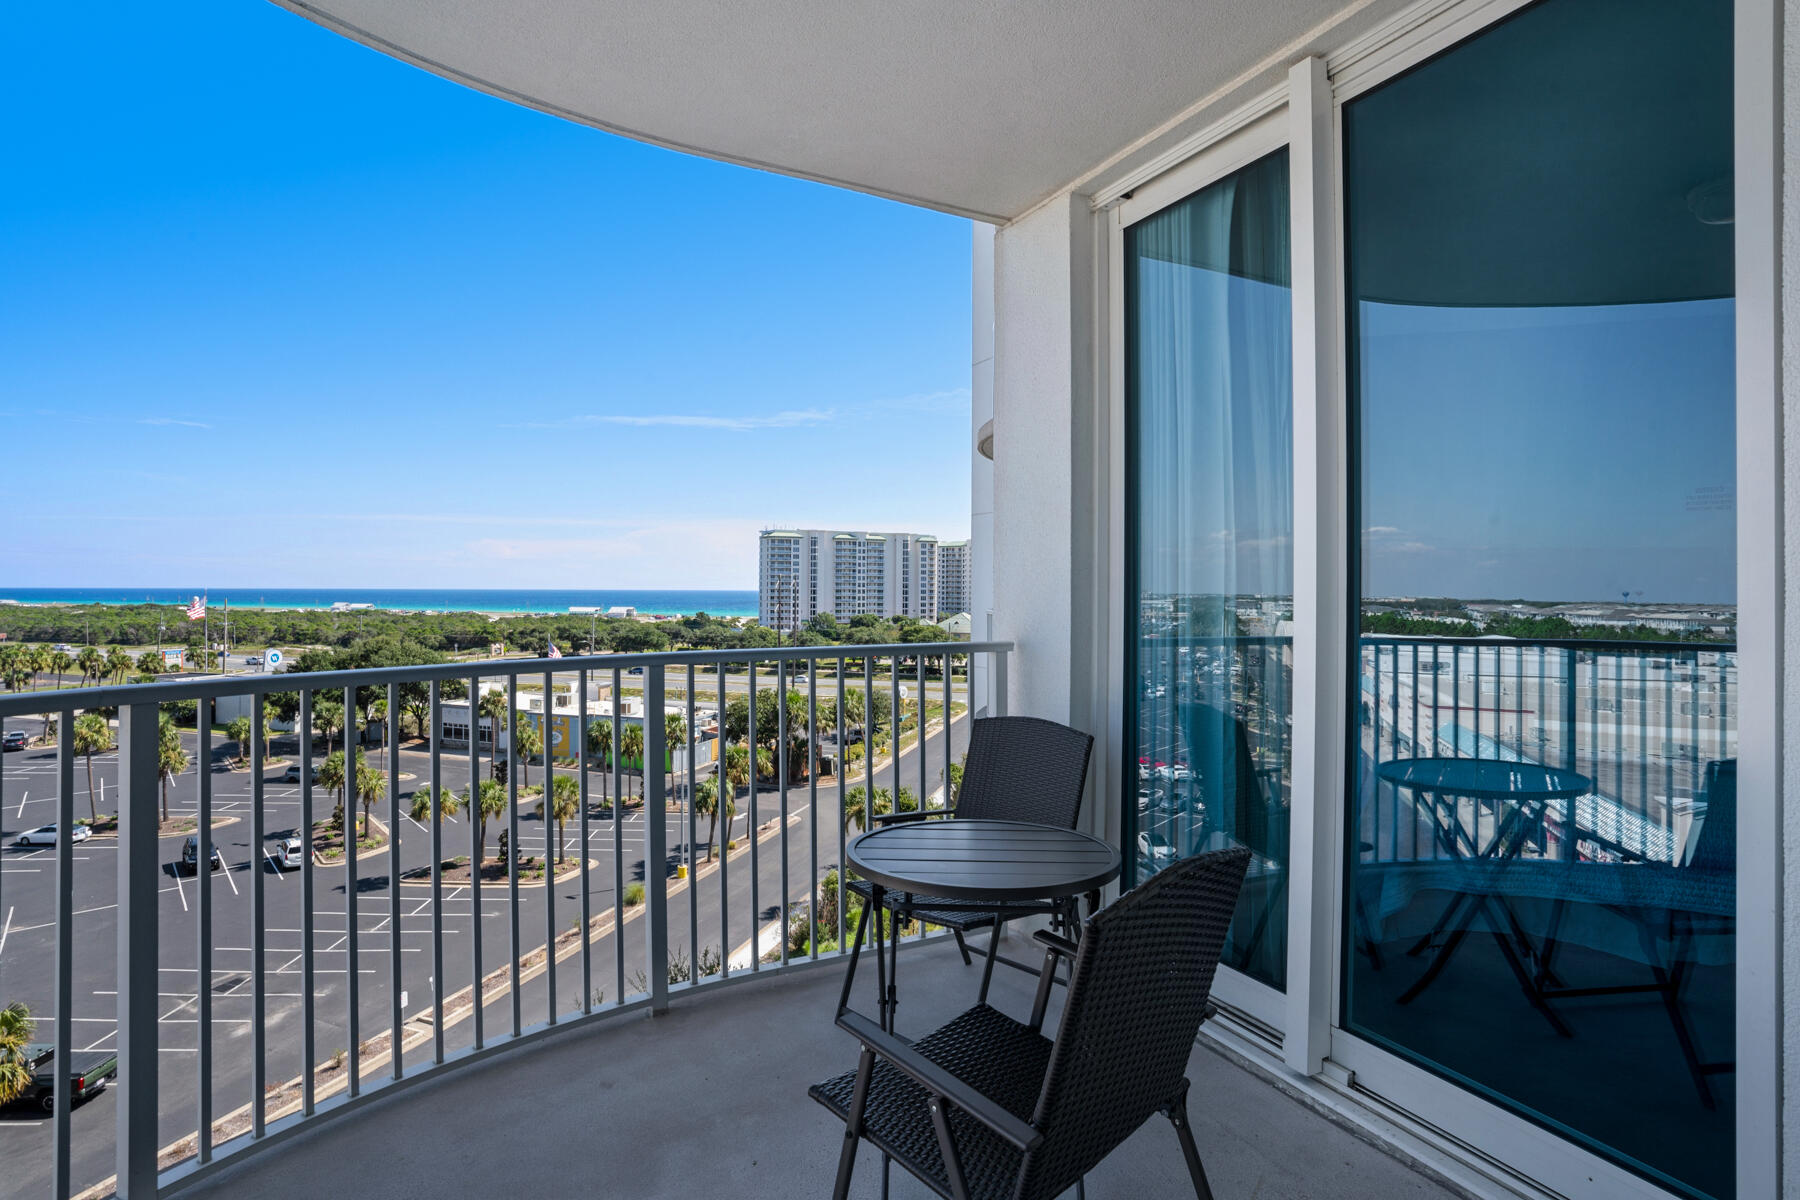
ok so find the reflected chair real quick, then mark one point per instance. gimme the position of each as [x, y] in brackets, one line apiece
[988, 1107]
[1018, 769]
[1670, 906]
[1240, 809]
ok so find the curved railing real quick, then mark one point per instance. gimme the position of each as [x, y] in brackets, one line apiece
[414, 914]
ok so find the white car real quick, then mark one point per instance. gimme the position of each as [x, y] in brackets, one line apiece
[45, 835]
[289, 853]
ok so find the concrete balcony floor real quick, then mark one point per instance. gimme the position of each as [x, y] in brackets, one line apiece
[710, 1100]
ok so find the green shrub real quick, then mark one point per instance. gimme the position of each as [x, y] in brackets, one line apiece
[634, 893]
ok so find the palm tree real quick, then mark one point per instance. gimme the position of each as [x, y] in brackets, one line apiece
[856, 807]
[490, 802]
[16, 1030]
[674, 734]
[631, 747]
[150, 663]
[370, 783]
[449, 803]
[527, 743]
[238, 730]
[118, 664]
[327, 718]
[60, 662]
[492, 705]
[599, 737]
[91, 663]
[37, 661]
[565, 802]
[92, 736]
[171, 758]
[706, 803]
[333, 778]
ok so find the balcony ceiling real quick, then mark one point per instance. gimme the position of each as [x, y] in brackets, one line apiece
[974, 107]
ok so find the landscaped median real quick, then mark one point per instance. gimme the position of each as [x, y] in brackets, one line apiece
[332, 1076]
[454, 872]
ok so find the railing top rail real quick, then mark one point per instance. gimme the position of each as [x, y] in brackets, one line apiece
[19, 704]
[1633, 647]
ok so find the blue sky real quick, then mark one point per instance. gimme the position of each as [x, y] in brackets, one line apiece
[278, 310]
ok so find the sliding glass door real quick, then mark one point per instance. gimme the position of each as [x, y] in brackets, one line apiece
[1209, 592]
[1541, 822]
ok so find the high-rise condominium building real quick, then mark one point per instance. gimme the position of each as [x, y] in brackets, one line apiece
[955, 578]
[804, 572]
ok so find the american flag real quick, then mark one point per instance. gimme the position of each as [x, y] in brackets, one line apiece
[197, 610]
[554, 652]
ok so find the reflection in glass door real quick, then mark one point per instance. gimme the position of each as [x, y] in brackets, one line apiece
[1542, 809]
[1209, 401]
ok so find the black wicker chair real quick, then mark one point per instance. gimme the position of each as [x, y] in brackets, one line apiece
[1018, 769]
[989, 1107]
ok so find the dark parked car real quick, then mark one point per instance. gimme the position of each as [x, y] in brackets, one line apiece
[15, 739]
[190, 856]
[91, 1072]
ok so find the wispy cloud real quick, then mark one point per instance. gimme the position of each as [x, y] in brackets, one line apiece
[173, 421]
[738, 424]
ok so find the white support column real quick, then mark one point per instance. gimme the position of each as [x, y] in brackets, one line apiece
[1320, 539]
[1765, 965]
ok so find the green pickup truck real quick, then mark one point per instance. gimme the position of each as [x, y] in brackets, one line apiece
[92, 1072]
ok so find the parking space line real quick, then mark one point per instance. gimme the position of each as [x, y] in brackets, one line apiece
[7, 928]
[23, 796]
[182, 890]
[232, 882]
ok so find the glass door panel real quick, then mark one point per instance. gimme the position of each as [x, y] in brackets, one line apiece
[1541, 825]
[1209, 402]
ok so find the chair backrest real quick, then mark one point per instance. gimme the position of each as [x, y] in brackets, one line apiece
[1714, 846]
[1024, 769]
[1220, 759]
[1137, 996]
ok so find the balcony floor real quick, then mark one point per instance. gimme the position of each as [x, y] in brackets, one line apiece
[710, 1100]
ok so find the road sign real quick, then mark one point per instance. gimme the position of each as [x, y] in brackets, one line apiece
[273, 658]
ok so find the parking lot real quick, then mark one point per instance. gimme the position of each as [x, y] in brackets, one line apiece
[27, 932]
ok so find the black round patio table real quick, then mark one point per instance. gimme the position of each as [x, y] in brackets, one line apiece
[974, 863]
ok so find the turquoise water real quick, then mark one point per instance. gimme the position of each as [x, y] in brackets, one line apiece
[722, 603]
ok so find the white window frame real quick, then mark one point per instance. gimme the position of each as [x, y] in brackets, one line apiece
[1299, 1032]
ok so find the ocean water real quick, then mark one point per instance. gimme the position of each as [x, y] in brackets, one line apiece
[728, 603]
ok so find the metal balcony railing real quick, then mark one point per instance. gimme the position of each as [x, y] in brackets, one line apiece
[954, 678]
[1641, 719]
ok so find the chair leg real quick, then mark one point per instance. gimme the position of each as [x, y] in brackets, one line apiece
[987, 969]
[885, 1164]
[962, 947]
[859, 1099]
[1179, 1118]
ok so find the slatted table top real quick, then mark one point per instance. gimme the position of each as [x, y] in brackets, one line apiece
[983, 860]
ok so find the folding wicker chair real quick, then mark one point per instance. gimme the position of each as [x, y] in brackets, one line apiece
[987, 1107]
[1018, 769]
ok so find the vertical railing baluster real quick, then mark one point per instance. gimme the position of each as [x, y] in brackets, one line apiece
[477, 850]
[750, 825]
[395, 1014]
[352, 998]
[781, 774]
[1721, 717]
[617, 753]
[1000, 682]
[64, 1036]
[203, 937]
[693, 872]
[727, 802]
[437, 873]
[587, 903]
[259, 913]
[1643, 758]
[308, 1015]
[656, 841]
[895, 715]
[812, 806]
[949, 748]
[841, 775]
[868, 744]
[135, 1139]
[512, 848]
[552, 846]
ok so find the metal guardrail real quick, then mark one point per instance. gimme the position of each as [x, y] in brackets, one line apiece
[139, 870]
[1641, 719]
